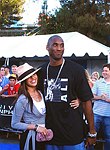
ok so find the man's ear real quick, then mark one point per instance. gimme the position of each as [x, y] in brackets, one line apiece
[47, 47]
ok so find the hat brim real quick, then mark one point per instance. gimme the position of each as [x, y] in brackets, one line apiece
[29, 75]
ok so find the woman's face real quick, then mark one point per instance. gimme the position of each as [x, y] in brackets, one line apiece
[32, 81]
[2, 71]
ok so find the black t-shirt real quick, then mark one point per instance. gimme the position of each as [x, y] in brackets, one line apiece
[65, 121]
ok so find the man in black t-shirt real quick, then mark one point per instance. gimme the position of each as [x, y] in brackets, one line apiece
[64, 81]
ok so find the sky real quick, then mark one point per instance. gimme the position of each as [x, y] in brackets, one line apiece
[32, 8]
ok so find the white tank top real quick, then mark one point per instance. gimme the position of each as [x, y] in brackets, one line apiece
[40, 105]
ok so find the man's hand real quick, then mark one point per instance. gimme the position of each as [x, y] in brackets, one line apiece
[4, 96]
[90, 141]
[6, 87]
[104, 96]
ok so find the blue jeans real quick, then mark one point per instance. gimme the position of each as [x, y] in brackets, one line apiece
[80, 146]
[105, 123]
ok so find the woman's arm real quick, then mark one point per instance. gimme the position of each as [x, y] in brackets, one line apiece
[75, 103]
[18, 112]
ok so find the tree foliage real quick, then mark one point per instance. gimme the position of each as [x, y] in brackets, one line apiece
[10, 12]
[89, 17]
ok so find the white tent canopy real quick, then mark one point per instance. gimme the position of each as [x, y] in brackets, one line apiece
[29, 46]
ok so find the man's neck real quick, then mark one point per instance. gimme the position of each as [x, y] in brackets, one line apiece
[54, 62]
[107, 79]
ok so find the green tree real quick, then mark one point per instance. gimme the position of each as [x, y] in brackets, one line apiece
[43, 23]
[85, 16]
[10, 12]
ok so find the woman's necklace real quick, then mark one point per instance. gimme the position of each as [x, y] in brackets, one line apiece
[54, 83]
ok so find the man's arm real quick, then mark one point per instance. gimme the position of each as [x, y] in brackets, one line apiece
[87, 107]
[13, 95]
[4, 89]
[103, 97]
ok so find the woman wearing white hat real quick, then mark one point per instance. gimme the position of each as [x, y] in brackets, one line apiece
[29, 111]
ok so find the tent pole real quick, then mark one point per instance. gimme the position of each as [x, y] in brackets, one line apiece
[108, 56]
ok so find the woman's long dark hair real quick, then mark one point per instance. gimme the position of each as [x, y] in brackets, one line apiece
[23, 90]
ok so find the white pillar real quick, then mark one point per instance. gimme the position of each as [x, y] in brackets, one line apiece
[108, 57]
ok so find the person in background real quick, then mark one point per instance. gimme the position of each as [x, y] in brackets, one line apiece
[89, 78]
[14, 69]
[64, 81]
[101, 107]
[11, 88]
[29, 111]
[0, 81]
[3, 79]
[95, 76]
[101, 77]
[0, 88]
[7, 71]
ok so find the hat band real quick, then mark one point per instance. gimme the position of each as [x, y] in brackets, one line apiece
[26, 73]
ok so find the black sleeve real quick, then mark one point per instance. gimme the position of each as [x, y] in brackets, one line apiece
[83, 89]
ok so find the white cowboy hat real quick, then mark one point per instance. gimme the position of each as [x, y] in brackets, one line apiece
[25, 71]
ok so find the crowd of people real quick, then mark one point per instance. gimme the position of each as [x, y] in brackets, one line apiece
[7, 74]
[56, 96]
[8, 79]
